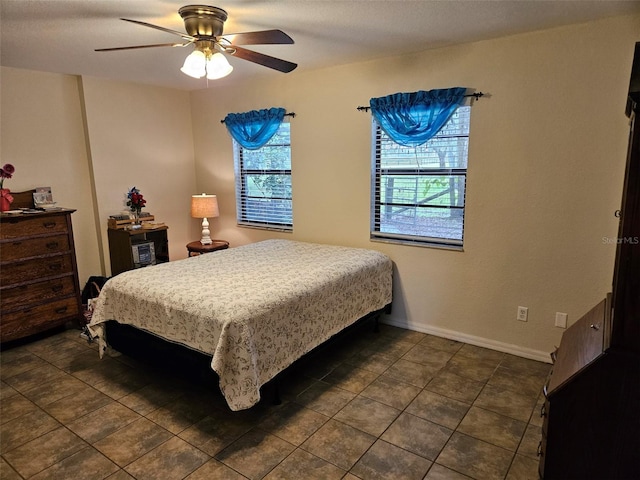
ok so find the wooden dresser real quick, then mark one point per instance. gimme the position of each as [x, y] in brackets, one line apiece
[39, 287]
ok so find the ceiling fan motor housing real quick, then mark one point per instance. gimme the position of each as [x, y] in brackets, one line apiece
[203, 20]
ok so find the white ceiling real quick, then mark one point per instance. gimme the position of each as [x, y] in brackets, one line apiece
[60, 35]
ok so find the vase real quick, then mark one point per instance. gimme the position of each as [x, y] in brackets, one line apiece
[136, 217]
[5, 199]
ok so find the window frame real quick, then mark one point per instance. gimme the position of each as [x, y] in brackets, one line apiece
[241, 181]
[378, 173]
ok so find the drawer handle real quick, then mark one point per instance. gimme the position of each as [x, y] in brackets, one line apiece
[55, 266]
[57, 288]
[543, 410]
[52, 245]
[61, 309]
[49, 224]
[595, 326]
[539, 452]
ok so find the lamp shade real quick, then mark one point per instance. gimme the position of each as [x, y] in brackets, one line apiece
[218, 67]
[204, 206]
[195, 64]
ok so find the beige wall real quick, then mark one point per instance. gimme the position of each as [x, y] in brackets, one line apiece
[546, 161]
[91, 140]
[141, 136]
[42, 135]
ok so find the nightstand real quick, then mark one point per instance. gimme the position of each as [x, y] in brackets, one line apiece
[122, 243]
[196, 248]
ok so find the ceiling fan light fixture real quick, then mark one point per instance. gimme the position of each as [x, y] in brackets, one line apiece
[195, 64]
[218, 66]
[204, 25]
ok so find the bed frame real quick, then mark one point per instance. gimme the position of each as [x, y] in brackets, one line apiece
[196, 366]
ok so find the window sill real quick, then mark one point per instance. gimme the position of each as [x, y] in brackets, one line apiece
[410, 243]
[266, 227]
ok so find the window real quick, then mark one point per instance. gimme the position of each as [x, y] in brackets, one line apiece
[263, 182]
[418, 193]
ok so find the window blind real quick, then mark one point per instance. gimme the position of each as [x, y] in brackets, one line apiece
[263, 182]
[418, 193]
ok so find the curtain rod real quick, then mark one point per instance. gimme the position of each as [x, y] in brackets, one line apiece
[476, 95]
[288, 114]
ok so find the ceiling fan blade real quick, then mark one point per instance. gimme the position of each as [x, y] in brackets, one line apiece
[150, 25]
[134, 47]
[264, 37]
[262, 59]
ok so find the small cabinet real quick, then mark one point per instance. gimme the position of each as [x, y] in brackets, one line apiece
[39, 287]
[129, 249]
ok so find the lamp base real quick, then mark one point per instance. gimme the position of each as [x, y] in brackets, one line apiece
[206, 234]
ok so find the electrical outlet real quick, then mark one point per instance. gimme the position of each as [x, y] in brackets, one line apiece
[561, 320]
[523, 314]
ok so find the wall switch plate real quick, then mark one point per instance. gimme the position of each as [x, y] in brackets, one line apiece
[523, 314]
[561, 320]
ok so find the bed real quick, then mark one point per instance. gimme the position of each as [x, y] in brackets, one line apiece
[254, 309]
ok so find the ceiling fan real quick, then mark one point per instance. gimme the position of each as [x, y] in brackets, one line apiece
[204, 25]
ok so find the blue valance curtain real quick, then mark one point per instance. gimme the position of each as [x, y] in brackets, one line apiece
[412, 119]
[255, 128]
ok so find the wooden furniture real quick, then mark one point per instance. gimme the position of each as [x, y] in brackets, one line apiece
[38, 273]
[124, 222]
[591, 426]
[196, 248]
[122, 241]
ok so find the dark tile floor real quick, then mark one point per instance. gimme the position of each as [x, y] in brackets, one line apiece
[395, 405]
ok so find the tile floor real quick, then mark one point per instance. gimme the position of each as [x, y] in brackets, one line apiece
[395, 405]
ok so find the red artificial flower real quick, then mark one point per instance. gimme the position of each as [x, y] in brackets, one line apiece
[7, 171]
[135, 199]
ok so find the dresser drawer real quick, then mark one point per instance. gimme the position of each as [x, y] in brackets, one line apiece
[36, 225]
[17, 249]
[16, 297]
[39, 268]
[32, 320]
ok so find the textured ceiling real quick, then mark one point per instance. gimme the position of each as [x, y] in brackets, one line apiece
[61, 35]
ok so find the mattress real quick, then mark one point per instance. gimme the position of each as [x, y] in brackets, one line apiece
[255, 308]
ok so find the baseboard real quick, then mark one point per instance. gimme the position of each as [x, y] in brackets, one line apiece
[473, 340]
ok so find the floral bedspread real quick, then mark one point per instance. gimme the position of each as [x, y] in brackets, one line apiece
[255, 308]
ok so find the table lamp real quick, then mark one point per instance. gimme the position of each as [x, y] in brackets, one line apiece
[204, 206]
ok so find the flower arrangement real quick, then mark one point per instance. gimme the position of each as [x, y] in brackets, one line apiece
[6, 172]
[5, 195]
[135, 200]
